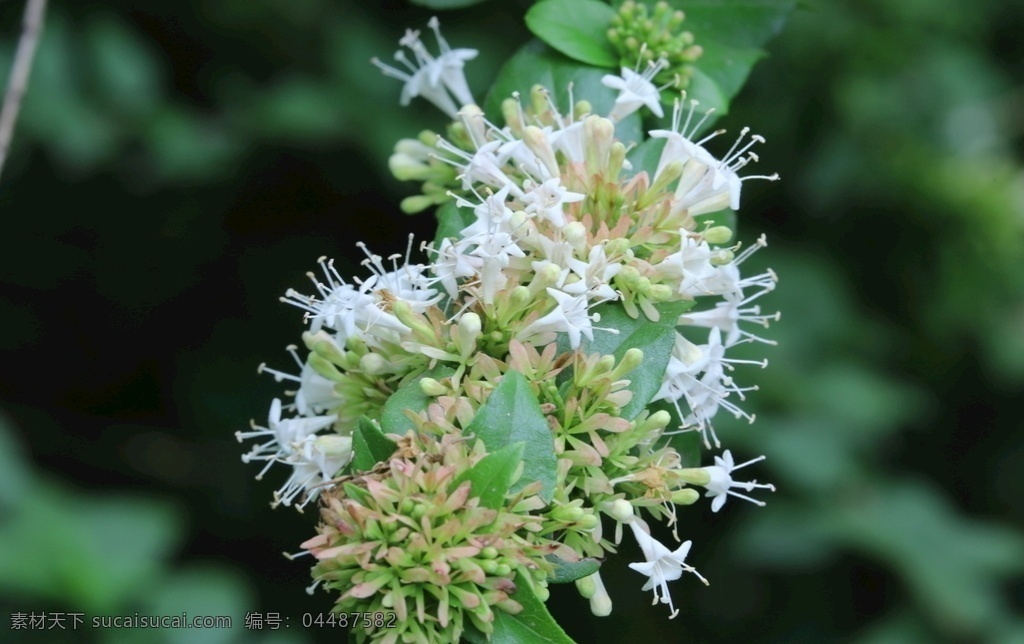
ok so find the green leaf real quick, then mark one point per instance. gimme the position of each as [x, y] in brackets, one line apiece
[577, 28]
[491, 478]
[446, 4]
[655, 339]
[731, 32]
[90, 553]
[719, 75]
[409, 397]
[566, 571]
[511, 415]
[369, 445]
[535, 63]
[533, 624]
[736, 23]
[451, 220]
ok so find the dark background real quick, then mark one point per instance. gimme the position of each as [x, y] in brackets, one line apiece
[179, 165]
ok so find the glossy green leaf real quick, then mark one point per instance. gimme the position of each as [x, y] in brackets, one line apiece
[511, 415]
[655, 339]
[369, 445]
[577, 28]
[535, 63]
[451, 220]
[736, 23]
[533, 624]
[491, 478]
[409, 397]
[731, 33]
[566, 571]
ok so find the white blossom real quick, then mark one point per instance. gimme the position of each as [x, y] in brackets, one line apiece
[439, 79]
[316, 460]
[721, 485]
[569, 316]
[707, 184]
[635, 91]
[661, 565]
[284, 435]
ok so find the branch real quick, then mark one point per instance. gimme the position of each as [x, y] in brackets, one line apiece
[31, 27]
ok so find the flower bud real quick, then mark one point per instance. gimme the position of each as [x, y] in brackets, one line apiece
[373, 364]
[407, 168]
[620, 509]
[540, 145]
[694, 476]
[432, 388]
[718, 235]
[576, 234]
[685, 496]
[600, 603]
[567, 513]
[660, 292]
[586, 586]
[588, 522]
[333, 445]
[630, 361]
[324, 367]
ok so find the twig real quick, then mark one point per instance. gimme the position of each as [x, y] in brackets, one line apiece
[31, 27]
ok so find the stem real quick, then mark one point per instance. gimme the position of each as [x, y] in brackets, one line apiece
[31, 27]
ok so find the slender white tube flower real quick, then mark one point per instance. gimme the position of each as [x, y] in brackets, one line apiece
[439, 79]
[316, 460]
[546, 200]
[707, 184]
[721, 485]
[284, 435]
[662, 565]
[570, 316]
[635, 90]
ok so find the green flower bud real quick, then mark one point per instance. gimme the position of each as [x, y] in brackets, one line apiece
[718, 235]
[433, 388]
[685, 496]
[586, 586]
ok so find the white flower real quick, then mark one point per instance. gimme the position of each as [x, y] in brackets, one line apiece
[707, 184]
[454, 262]
[546, 199]
[635, 91]
[595, 275]
[315, 394]
[721, 483]
[662, 565]
[316, 460]
[284, 435]
[690, 265]
[438, 79]
[569, 316]
[697, 374]
[337, 307]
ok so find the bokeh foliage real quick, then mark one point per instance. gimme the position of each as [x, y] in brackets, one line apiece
[179, 165]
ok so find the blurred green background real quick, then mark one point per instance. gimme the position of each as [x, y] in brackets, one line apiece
[178, 165]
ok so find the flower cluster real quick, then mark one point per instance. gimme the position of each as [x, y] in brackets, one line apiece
[408, 539]
[552, 250]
